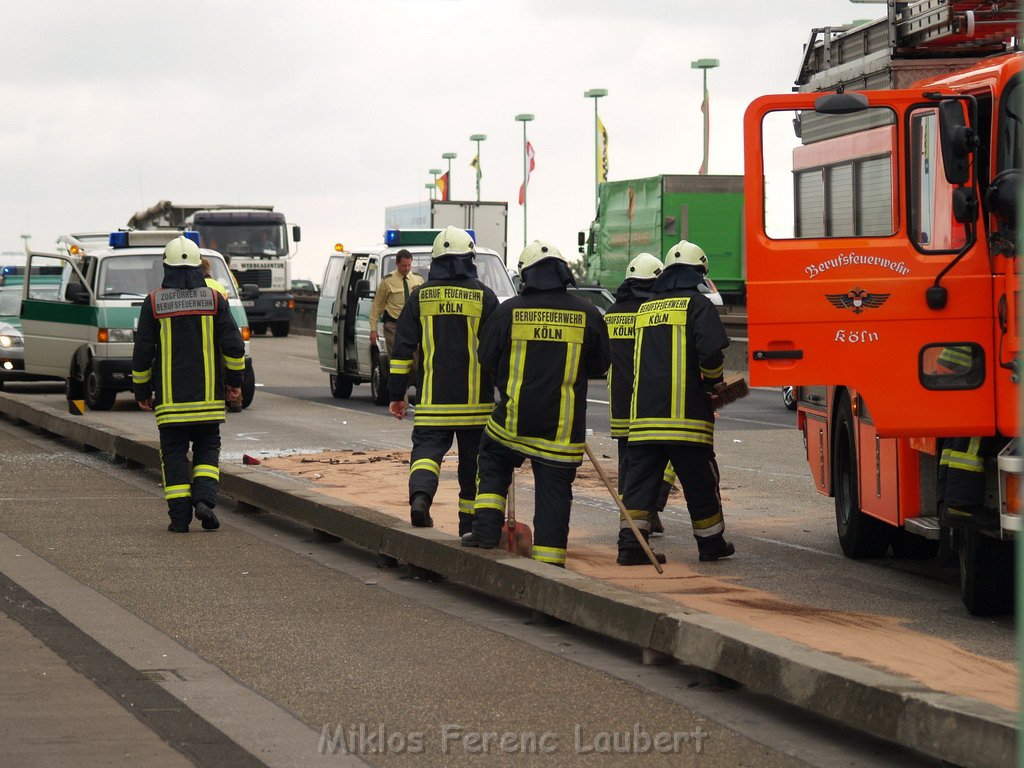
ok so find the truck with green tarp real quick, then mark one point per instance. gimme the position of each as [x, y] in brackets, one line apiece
[655, 213]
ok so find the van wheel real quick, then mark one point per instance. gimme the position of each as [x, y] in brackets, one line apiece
[97, 397]
[279, 329]
[986, 573]
[248, 384]
[860, 535]
[379, 383]
[789, 398]
[341, 386]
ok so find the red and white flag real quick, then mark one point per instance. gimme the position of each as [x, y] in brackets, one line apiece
[532, 165]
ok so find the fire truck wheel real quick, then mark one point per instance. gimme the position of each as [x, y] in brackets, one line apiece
[860, 535]
[986, 573]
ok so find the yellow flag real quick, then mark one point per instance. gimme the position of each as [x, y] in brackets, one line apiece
[602, 151]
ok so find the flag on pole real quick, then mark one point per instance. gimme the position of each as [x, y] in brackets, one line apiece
[475, 163]
[532, 165]
[442, 186]
[707, 124]
[602, 151]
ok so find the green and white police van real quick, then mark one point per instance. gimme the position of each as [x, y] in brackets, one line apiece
[85, 332]
[346, 293]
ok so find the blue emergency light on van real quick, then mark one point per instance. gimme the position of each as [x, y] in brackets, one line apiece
[122, 238]
[396, 237]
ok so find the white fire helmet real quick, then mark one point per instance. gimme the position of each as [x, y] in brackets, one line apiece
[685, 252]
[536, 252]
[452, 241]
[644, 266]
[182, 252]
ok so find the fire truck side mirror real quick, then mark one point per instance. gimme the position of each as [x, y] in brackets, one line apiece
[957, 140]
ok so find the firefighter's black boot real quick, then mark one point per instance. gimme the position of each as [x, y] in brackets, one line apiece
[630, 551]
[204, 514]
[472, 539]
[713, 548]
[419, 511]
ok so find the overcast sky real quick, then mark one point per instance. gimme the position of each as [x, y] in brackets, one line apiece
[333, 109]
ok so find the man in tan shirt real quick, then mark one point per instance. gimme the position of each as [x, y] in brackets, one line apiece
[392, 292]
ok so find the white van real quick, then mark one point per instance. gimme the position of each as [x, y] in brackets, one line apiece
[343, 311]
[85, 332]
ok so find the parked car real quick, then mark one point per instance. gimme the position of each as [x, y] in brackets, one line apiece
[600, 297]
[12, 341]
[708, 289]
[304, 286]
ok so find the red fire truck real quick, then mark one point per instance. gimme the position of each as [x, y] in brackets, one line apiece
[883, 279]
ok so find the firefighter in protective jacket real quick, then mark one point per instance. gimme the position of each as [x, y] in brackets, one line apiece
[541, 347]
[620, 318]
[187, 345]
[443, 319]
[679, 364]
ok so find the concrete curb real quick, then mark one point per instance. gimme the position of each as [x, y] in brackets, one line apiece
[953, 728]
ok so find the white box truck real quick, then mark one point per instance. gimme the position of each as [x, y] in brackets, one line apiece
[488, 219]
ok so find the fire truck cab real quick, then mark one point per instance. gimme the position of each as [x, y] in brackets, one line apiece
[882, 278]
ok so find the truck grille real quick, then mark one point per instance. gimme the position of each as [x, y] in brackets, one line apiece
[264, 278]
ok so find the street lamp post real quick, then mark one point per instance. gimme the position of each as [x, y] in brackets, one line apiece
[478, 137]
[430, 187]
[26, 238]
[705, 65]
[524, 119]
[449, 156]
[434, 172]
[595, 94]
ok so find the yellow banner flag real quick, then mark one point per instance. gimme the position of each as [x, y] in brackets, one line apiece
[602, 151]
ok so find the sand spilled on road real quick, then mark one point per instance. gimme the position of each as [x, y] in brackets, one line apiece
[379, 479]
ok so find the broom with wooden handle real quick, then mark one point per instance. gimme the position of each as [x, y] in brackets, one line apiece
[623, 510]
[733, 388]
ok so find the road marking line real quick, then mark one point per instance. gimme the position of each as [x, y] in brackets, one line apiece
[795, 546]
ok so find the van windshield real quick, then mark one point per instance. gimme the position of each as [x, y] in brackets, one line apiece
[133, 277]
[488, 267]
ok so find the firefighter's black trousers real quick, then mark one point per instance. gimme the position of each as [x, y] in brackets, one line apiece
[668, 476]
[552, 499]
[429, 445]
[698, 473]
[185, 485]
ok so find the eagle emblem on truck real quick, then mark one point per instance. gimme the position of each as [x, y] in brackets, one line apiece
[857, 299]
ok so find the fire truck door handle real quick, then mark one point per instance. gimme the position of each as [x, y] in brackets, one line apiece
[778, 354]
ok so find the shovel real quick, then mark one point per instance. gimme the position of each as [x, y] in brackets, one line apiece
[516, 537]
[623, 510]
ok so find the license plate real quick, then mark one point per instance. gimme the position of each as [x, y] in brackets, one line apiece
[248, 303]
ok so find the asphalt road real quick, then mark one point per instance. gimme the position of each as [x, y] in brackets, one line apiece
[784, 531]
